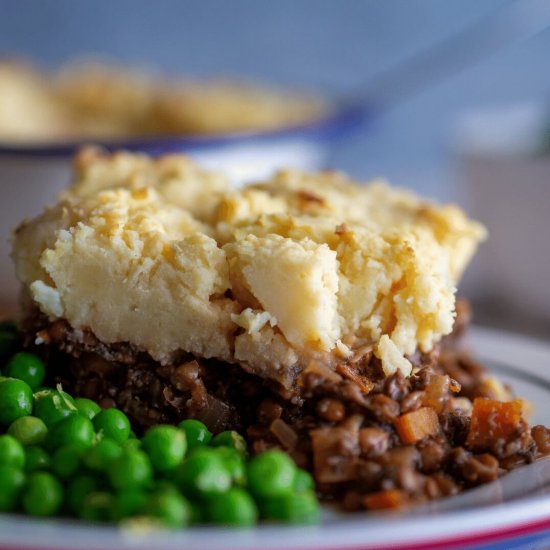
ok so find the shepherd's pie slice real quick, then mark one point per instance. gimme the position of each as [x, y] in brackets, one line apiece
[169, 259]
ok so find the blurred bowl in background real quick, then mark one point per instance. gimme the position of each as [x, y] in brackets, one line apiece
[32, 176]
[505, 175]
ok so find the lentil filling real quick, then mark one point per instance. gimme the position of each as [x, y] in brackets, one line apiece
[371, 441]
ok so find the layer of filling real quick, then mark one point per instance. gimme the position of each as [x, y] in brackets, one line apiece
[371, 440]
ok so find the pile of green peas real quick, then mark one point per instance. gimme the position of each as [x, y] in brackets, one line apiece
[68, 457]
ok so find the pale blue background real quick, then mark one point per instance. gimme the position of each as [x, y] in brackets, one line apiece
[330, 45]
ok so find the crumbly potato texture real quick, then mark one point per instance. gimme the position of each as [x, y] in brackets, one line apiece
[170, 258]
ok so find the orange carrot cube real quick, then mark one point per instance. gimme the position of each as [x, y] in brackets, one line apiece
[383, 500]
[417, 425]
[493, 420]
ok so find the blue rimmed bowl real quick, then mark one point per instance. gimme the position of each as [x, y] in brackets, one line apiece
[31, 176]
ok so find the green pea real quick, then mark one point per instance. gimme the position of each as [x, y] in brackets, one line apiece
[52, 406]
[204, 474]
[234, 463]
[36, 458]
[230, 439]
[271, 474]
[97, 507]
[165, 446]
[236, 508]
[43, 495]
[28, 430]
[27, 367]
[12, 481]
[11, 452]
[66, 461]
[293, 508]
[102, 454]
[78, 489]
[113, 423]
[170, 507]
[15, 400]
[128, 503]
[130, 469]
[72, 430]
[303, 481]
[197, 434]
[8, 342]
[87, 407]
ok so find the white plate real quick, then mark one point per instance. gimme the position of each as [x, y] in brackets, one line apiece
[512, 513]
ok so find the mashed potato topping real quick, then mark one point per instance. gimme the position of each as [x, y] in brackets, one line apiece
[165, 256]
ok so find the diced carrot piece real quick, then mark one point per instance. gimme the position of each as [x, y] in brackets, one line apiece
[417, 425]
[392, 498]
[492, 420]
